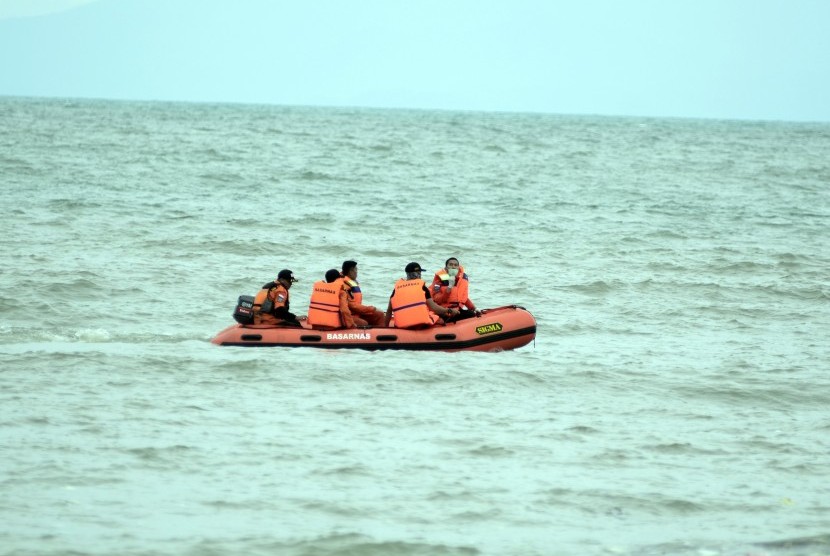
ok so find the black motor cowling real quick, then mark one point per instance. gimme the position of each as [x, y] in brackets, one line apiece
[244, 311]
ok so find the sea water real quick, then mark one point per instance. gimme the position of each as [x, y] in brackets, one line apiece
[675, 400]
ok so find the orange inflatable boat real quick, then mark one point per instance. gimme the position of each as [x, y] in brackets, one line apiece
[498, 329]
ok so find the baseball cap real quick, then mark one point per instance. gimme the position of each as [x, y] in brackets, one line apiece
[412, 267]
[287, 275]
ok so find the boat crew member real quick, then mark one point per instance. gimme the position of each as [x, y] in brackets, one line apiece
[412, 304]
[364, 315]
[271, 303]
[451, 288]
[329, 306]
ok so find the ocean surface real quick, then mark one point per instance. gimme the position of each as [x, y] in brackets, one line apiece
[676, 400]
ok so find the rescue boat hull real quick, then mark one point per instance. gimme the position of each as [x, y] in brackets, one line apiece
[499, 329]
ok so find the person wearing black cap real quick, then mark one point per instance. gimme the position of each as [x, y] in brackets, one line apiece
[412, 304]
[271, 305]
[364, 314]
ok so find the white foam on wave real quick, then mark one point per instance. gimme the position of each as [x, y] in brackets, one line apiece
[92, 335]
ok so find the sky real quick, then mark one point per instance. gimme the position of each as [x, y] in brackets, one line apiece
[722, 59]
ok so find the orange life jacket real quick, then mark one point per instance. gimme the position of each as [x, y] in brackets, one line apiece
[460, 288]
[353, 288]
[324, 307]
[409, 303]
[279, 299]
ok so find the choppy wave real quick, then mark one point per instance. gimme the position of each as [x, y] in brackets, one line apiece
[672, 402]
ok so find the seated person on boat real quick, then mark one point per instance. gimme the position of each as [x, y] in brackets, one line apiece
[412, 304]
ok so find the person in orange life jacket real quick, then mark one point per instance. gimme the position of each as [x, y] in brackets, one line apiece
[451, 288]
[271, 305]
[329, 305]
[412, 304]
[364, 315]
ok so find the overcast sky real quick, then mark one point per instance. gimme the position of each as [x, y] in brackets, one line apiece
[735, 59]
